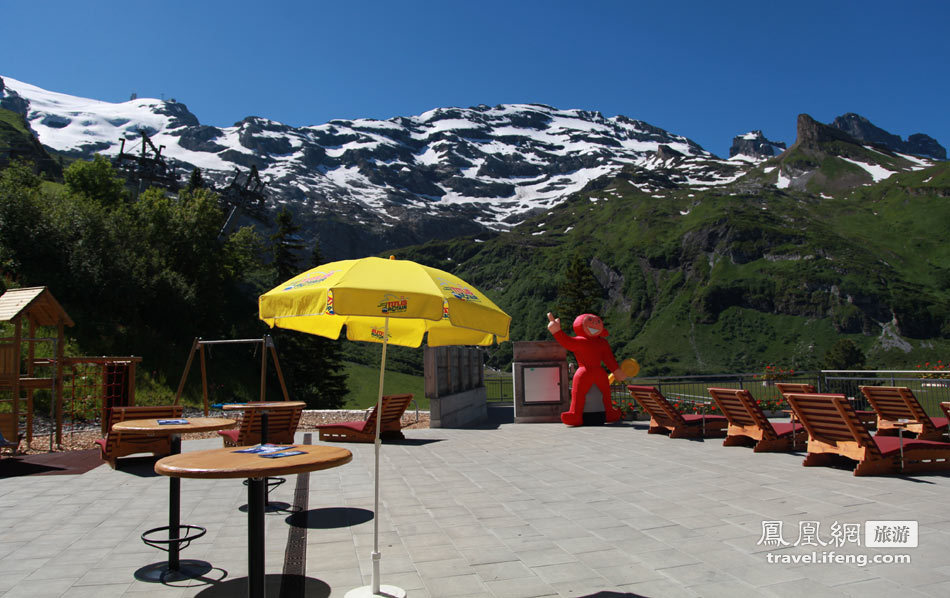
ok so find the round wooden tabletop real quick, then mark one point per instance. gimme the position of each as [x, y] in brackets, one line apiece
[228, 463]
[263, 405]
[195, 424]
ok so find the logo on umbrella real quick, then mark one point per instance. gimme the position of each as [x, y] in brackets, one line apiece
[315, 278]
[377, 334]
[461, 293]
[391, 304]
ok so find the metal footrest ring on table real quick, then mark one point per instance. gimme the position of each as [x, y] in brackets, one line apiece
[192, 532]
[271, 483]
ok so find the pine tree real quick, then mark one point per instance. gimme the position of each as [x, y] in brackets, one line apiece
[195, 181]
[579, 292]
[285, 246]
[313, 365]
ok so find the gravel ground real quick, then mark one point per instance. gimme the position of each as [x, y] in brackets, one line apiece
[82, 438]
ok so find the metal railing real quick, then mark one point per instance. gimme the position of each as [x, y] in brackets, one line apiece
[929, 389]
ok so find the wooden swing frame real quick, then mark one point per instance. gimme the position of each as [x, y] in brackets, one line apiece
[267, 342]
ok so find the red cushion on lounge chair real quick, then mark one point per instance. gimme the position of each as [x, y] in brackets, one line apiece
[939, 422]
[892, 444]
[785, 429]
[231, 434]
[698, 417]
[358, 426]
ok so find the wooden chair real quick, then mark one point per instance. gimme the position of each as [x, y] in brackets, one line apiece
[282, 424]
[834, 430]
[365, 431]
[122, 444]
[747, 423]
[664, 417]
[893, 403]
[10, 435]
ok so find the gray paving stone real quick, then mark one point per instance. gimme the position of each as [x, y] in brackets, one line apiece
[492, 512]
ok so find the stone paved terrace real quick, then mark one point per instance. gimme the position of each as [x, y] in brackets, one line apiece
[510, 511]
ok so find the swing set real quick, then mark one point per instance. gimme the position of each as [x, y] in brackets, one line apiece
[198, 346]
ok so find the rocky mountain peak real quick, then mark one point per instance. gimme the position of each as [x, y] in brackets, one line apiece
[754, 147]
[864, 130]
[811, 134]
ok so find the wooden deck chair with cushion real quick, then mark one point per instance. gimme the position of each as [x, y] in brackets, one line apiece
[282, 422]
[10, 435]
[748, 422]
[834, 430]
[664, 417]
[893, 403]
[122, 444]
[869, 418]
[365, 431]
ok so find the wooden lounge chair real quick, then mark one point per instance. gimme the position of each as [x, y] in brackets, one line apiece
[869, 418]
[122, 444]
[282, 422]
[834, 430]
[747, 423]
[664, 417]
[893, 403]
[10, 435]
[365, 431]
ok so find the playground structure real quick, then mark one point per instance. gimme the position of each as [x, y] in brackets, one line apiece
[79, 387]
[198, 346]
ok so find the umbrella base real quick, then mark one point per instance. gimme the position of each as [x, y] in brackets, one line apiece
[384, 592]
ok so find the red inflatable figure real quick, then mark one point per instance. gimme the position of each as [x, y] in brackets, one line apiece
[590, 349]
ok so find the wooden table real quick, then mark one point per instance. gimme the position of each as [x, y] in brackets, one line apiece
[151, 427]
[264, 407]
[228, 463]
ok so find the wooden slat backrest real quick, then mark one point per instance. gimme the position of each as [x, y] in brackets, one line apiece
[896, 402]
[740, 408]
[393, 408]
[281, 424]
[120, 414]
[796, 387]
[656, 405]
[830, 418]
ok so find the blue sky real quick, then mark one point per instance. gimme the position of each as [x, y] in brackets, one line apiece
[706, 70]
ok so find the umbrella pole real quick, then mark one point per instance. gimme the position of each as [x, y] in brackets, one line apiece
[379, 418]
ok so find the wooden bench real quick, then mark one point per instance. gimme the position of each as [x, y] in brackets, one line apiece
[282, 421]
[122, 444]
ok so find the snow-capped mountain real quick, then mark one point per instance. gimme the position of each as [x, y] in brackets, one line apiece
[365, 185]
[491, 165]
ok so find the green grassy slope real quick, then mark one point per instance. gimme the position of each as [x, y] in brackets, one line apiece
[726, 279]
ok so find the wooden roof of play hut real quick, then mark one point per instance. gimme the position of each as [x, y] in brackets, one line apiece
[36, 303]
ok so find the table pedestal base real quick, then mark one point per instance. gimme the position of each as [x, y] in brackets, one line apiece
[160, 573]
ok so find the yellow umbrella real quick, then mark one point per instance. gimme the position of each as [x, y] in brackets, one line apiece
[384, 301]
[362, 294]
